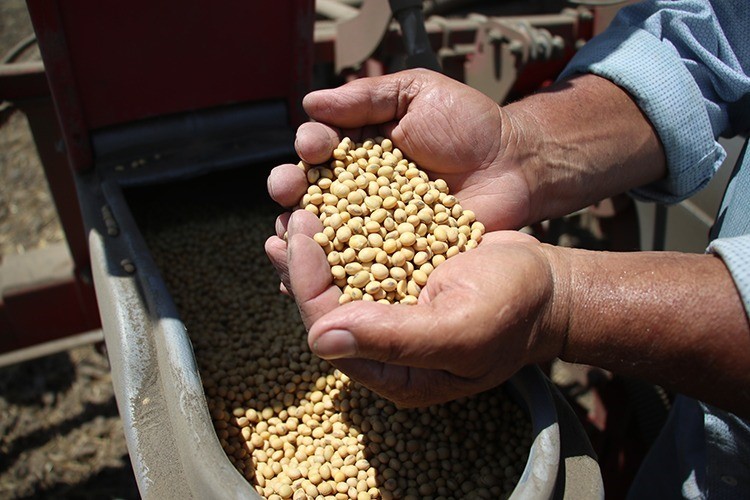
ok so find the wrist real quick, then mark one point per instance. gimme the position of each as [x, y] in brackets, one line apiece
[553, 324]
[567, 152]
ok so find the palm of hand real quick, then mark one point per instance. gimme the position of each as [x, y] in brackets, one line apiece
[450, 130]
[465, 335]
[454, 132]
[471, 330]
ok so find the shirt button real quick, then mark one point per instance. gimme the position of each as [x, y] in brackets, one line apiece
[729, 480]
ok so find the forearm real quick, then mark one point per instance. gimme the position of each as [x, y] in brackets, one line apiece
[579, 142]
[673, 319]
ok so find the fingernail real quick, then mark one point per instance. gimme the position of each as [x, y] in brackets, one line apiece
[335, 344]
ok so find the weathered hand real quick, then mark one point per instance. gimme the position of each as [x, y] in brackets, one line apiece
[448, 129]
[482, 315]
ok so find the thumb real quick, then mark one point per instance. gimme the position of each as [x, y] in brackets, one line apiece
[422, 336]
[366, 101]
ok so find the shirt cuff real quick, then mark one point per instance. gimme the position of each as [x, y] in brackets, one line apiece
[735, 252]
[655, 76]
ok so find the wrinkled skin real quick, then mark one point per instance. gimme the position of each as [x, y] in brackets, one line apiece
[470, 331]
[672, 318]
[448, 129]
[435, 351]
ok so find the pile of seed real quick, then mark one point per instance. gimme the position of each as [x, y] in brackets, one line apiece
[386, 224]
[292, 424]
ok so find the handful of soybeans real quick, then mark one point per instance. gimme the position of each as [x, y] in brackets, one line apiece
[386, 225]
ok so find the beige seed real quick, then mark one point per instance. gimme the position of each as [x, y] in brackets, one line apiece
[340, 189]
[412, 288]
[343, 234]
[373, 287]
[420, 277]
[325, 488]
[360, 279]
[321, 239]
[398, 273]
[357, 242]
[441, 233]
[356, 197]
[439, 247]
[353, 268]
[379, 215]
[390, 202]
[367, 254]
[419, 258]
[379, 271]
[390, 246]
[388, 284]
[398, 259]
[407, 239]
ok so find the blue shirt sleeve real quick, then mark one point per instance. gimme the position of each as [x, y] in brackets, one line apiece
[685, 63]
[734, 252]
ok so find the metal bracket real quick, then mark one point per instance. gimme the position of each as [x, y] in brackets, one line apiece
[357, 38]
[502, 49]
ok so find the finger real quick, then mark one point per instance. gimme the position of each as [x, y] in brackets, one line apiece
[309, 272]
[286, 184]
[276, 250]
[315, 142]
[282, 221]
[424, 336]
[303, 222]
[507, 237]
[311, 279]
[405, 386]
[365, 101]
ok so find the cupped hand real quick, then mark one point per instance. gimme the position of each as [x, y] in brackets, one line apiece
[448, 129]
[482, 315]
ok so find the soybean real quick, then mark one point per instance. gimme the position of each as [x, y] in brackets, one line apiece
[289, 422]
[397, 218]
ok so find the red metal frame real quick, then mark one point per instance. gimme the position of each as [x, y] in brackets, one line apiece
[47, 309]
[110, 63]
[46, 312]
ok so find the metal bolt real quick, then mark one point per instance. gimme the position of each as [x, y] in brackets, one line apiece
[516, 47]
[127, 266]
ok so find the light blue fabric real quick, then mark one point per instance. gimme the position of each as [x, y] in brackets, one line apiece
[686, 63]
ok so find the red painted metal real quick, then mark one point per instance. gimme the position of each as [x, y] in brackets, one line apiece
[115, 62]
[51, 39]
[42, 311]
[22, 81]
[47, 312]
[111, 63]
[60, 178]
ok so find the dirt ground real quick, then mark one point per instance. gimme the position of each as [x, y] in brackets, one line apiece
[60, 433]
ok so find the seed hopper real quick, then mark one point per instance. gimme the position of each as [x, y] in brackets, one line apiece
[146, 107]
